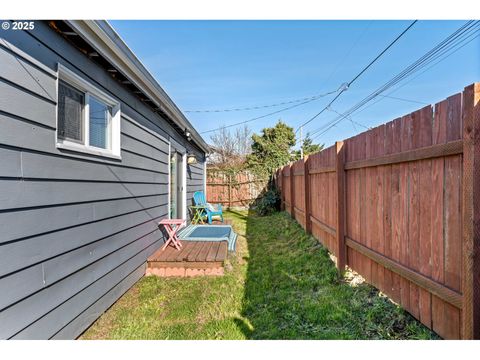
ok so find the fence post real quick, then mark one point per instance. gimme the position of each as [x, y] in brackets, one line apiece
[292, 192]
[340, 180]
[229, 191]
[282, 192]
[306, 177]
[471, 213]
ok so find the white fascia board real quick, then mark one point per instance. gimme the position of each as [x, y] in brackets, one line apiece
[103, 38]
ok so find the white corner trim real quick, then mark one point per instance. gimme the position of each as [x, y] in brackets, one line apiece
[184, 186]
[205, 178]
[169, 181]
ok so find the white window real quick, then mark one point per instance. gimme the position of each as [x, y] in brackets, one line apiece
[88, 120]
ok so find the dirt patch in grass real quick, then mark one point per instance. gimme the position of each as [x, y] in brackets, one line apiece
[281, 284]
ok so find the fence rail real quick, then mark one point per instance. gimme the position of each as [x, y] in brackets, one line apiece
[400, 204]
[233, 190]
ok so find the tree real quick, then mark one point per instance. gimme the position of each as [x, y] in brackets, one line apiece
[271, 149]
[308, 147]
[231, 148]
[243, 141]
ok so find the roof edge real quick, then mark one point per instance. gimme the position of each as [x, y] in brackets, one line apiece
[107, 42]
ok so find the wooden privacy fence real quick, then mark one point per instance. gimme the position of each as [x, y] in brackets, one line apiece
[238, 189]
[400, 204]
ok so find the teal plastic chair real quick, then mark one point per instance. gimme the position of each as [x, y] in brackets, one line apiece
[211, 210]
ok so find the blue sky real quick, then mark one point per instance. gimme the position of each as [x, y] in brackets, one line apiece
[231, 64]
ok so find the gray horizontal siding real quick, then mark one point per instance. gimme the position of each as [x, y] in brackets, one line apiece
[10, 163]
[75, 229]
[19, 224]
[18, 254]
[37, 81]
[21, 194]
[42, 275]
[31, 137]
[83, 321]
[23, 313]
[43, 166]
[14, 100]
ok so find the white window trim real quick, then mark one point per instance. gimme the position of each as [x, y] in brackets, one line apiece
[169, 179]
[173, 147]
[205, 178]
[79, 83]
[184, 186]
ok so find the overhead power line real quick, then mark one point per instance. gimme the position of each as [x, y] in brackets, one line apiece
[314, 97]
[339, 91]
[347, 54]
[383, 52]
[403, 99]
[272, 113]
[469, 31]
[356, 77]
[454, 40]
[470, 39]
[433, 54]
[350, 119]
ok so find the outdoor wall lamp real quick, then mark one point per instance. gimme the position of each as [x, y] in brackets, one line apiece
[191, 159]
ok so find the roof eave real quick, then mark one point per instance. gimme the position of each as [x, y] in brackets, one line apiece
[103, 38]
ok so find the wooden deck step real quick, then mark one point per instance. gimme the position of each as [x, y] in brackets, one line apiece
[195, 258]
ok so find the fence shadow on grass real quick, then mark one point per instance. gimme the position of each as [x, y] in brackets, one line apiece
[292, 291]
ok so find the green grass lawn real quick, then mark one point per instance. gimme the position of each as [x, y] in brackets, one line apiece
[281, 284]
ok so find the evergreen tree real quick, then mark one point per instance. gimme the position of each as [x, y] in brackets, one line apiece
[271, 149]
[308, 148]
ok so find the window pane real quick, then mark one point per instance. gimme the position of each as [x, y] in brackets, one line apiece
[70, 112]
[100, 115]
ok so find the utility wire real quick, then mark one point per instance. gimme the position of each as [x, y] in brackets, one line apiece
[475, 34]
[403, 99]
[436, 52]
[418, 75]
[350, 119]
[340, 90]
[452, 41]
[347, 85]
[347, 54]
[272, 113]
[383, 52]
[313, 97]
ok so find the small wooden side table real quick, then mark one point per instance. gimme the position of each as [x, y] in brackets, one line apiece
[172, 226]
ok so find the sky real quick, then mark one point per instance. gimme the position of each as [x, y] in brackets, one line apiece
[215, 65]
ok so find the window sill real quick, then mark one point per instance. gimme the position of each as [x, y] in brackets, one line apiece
[87, 150]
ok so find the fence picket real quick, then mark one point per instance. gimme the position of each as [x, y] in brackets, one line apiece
[395, 202]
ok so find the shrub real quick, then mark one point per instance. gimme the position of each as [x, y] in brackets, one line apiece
[268, 202]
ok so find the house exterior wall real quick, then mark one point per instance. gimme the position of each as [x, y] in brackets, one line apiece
[75, 229]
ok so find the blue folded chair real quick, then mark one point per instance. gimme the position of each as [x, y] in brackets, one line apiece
[199, 199]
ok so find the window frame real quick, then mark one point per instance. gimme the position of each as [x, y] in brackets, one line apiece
[72, 79]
